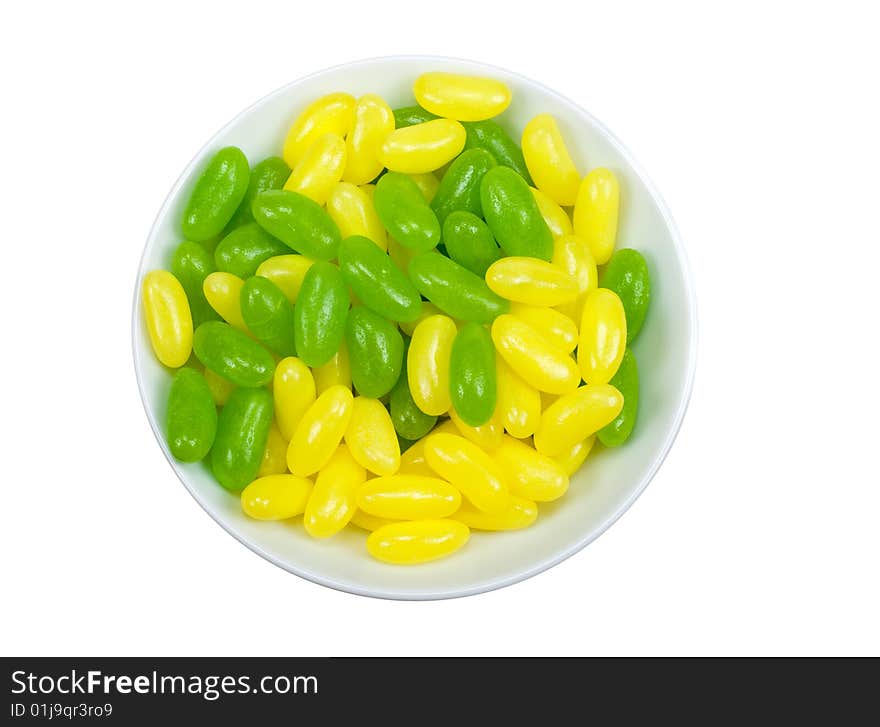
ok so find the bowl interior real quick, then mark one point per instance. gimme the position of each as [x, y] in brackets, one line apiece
[610, 479]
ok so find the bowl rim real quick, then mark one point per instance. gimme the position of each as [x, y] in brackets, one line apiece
[492, 583]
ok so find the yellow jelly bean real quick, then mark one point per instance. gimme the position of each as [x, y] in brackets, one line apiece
[275, 456]
[530, 280]
[417, 541]
[414, 462]
[595, 213]
[276, 497]
[287, 272]
[331, 114]
[223, 291]
[423, 147]
[520, 514]
[556, 218]
[336, 372]
[531, 474]
[486, 436]
[408, 497]
[572, 255]
[603, 336]
[351, 208]
[320, 431]
[371, 438]
[574, 417]
[373, 121]
[427, 364]
[557, 328]
[334, 498]
[320, 168]
[428, 310]
[477, 475]
[532, 357]
[519, 405]
[571, 459]
[365, 521]
[548, 160]
[220, 388]
[169, 321]
[427, 183]
[456, 96]
[294, 392]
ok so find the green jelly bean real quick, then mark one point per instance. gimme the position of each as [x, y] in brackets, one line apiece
[191, 420]
[409, 421]
[375, 352]
[512, 214]
[319, 315]
[377, 282]
[489, 135]
[472, 384]
[469, 242]
[626, 380]
[191, 264]
[404, 212]
[243, 249]
[460, 187]
[268, 315]
[271, 173]
[232, 354]
[410, 116]
[627, 275]
[454, 289]
[242, 433]
[216, 195]
[299, 222]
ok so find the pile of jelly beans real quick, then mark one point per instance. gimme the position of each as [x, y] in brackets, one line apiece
[407, 322]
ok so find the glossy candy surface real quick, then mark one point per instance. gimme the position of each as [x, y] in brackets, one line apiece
[557, 219]
[371, 438]
[492, 137]
[242, 432]
[460, 187]
[293, 389]
[409, 420]
[456, 96]
[276, 497]
[191, 419]
[223, 292]
[556, 327]
[595, 213]
[233, 354]
[287, 272]
[271, 173]
[572, 255]
[408, 497]
[216, 195]
[602, 336]
[627, 275]
[519, 404]
[320, 169]
[417, 541]
[373, 121]
[532, 281]
[405, 213]
[422, 147]
[191, 264]
[320, 431]
[375, 351]
[469, 242]
[330, 114]
[548, 160]
[428, 360]
[512, 214]
[477, 475]
[299, 222]
[574, 417]
[520, 514]
[268, 315]
[410, 116]
[243, 250]
[336, 372]
[472, 384]
[626, 381]
[320, 313]
[168, 318]
[275, 455]
[486, 436]
[334, 499]
[531, 474]
[352, 209]
[573, 457]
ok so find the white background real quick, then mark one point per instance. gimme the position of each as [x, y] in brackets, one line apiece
[759, 124]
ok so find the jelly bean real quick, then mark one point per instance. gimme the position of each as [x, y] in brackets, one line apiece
[456, 96]
[460, 187]
[220, 388]
[556, 327]
[556, 218]
[377, 281]
[428, 310]
[299, 222]
[454, 289]
[334, 499]
[422, 147]
[574, 417]
[373, 121]
[223, 292]
[319, 316]
[276, 497]
[287, 272]
[627, 275]
[268, 315]
[275, 455]
[531, 474]
[486, 436]
[548, 160]
[352, 210]
[520, 514]
[519, 405]
[489, 135]
[428, 364]
[320, 168]
[330, 114]
[242, 433]
[409, 420]
[410, 116]
[572, 255]
[472, 385]
[414, 462]
[405, 214]
[512, 214]
[243, 250]
[626, 381]
[168, 318]
[233, 354]
[595, 213]
[469, 242]
[375, 350]
[371, 438]
[368, 522]
[427, 183]
[408, 497]
[417, 541]
[603, 336]
[531, 356]
[572, 458]
[320, 431]
[191, 420]
[216, 195]
[336, 372]
[532, 281]
[294, 392]
[477, 475]
[271, 173]
[191, 264]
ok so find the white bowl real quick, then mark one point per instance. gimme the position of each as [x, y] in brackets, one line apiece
[609, 481]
